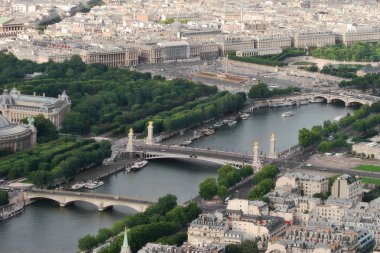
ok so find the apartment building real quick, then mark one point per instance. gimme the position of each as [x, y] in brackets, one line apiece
[314, 39]
[347, 187]
[307, 184]
[273, 41]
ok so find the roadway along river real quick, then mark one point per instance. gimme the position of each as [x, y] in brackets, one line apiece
[46, 228]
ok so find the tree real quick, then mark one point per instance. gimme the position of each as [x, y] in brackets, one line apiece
[259, 91]
[222, 192]
[47, 131]
[86, 243]
[248, 246]
[208, 188]
[74, 122]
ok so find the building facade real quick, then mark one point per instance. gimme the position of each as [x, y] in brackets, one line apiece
[17, 136]
[16, 106]
[347, 187]
[307, 184]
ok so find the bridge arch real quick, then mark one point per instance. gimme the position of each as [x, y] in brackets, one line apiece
[355, 103]
[325, 99]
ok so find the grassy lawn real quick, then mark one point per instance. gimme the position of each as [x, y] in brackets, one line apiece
[363, 167]
[369, 180]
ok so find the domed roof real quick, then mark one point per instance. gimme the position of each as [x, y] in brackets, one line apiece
[176, 26]
[6, 99]
[4, 121]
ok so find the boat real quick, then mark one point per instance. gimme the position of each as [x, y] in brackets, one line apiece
[4, 215]
[94, 184]
[186, 142]
[273, 86]
[287, 114]
[218, 124]
[244, 116]
[304, 102]
[139, 165]
[208, 132]
[337, 118]
[77, 186]
[232, 123]
[287, 103]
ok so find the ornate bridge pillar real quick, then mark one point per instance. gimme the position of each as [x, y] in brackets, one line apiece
[256, 161]
[272, 151]
[130, 141]
[149, 138]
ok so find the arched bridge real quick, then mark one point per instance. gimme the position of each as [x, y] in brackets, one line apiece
[346, 99]
[154, 151]
[101, 201]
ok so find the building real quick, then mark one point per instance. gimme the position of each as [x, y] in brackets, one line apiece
[307, 184]
[258, 52]
[17, 136]
[204, 51]
[112, 58]
[211, 229]
[175, 50]
[248, 207]
[273, 41]
[16, 106]
[359, 34]
[323, 240]
[151, 54]
[185, 248]
[232, 226]
[233, 44]
[10, 27]
[347, 187]
[314, 39]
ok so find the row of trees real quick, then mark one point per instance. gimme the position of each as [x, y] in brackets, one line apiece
[54, 160]
[227, 176]
[4, 199]
[354, 52]
[269, 60]
[161, 221]
[370, 81]
[345, 71]
[261, 91]
[192, 113]
[103, 99]
[362, 123]
[263, 182]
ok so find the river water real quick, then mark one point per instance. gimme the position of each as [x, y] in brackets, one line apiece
[45, 227]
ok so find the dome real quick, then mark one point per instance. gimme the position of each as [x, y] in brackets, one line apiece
[4, 121]
[6, 99]
[176, 26]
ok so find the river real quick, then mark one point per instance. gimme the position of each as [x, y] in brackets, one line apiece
[44, 227]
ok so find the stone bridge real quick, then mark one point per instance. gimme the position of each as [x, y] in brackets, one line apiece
[101, 201]
[346, 99]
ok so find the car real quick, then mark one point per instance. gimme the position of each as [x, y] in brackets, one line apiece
[116, 197]
[308, 165]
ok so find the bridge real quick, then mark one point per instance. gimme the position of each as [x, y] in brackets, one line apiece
[346, 99]
[154, 151]
[101, 201]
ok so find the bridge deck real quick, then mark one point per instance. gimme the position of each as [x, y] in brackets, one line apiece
[88, 195]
